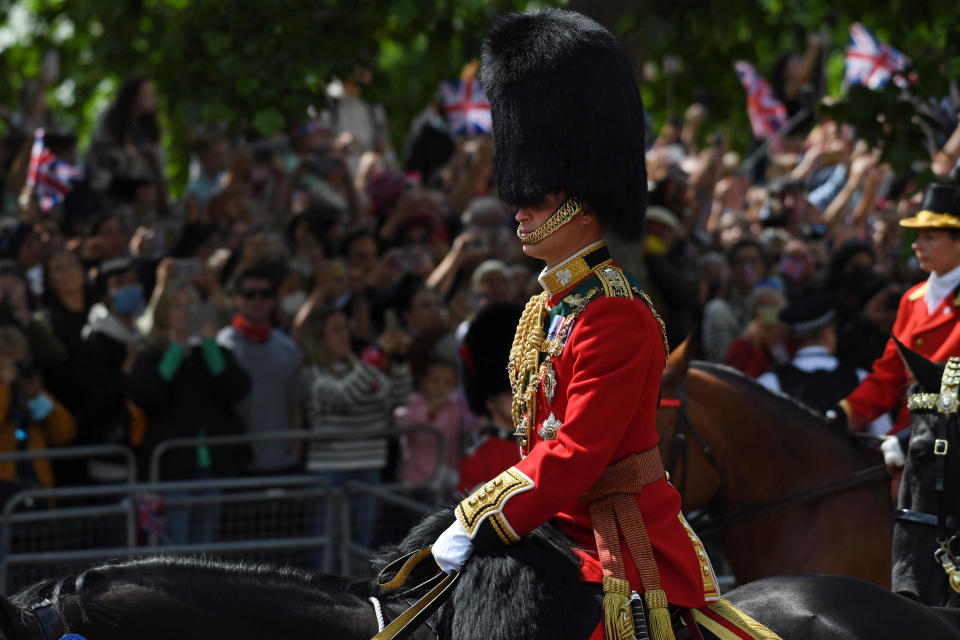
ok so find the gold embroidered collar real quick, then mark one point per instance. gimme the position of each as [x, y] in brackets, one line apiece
[575, 268]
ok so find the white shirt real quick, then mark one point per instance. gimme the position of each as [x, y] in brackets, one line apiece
[939, 287]
[819, 358]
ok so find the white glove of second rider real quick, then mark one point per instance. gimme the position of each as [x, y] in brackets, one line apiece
[452, 548]
[892, 452]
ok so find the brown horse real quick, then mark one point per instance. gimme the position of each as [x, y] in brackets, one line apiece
[787, 492]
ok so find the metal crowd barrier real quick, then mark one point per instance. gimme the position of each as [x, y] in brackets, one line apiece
[36, 544]
[298, 435]
[298, 519]
[289, 519]
[82, 451]
[396, 514]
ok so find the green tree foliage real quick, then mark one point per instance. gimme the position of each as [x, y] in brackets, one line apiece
[254, 65]
[257, 65]
[709, 36]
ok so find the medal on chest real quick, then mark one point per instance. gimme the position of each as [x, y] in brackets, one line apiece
[549, 381]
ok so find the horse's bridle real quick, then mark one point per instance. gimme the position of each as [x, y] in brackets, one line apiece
[946, 404]
[440, 587]
[679, 453]
[44, 621]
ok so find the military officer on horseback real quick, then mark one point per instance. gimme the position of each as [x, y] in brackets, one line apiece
[928, 319]
[589, 351]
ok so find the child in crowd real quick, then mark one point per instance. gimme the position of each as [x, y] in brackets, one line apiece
[438, 404]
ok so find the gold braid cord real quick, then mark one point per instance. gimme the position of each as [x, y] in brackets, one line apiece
[560, 217]
[522, 368]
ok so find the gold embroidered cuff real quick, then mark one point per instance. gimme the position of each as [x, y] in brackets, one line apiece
[486, 505]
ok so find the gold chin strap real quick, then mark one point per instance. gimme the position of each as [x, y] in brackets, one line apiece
[564, 214]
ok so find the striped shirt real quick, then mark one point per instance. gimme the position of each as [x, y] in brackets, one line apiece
[351, 399]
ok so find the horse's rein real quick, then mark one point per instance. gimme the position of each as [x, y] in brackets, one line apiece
[408, 621]
[680, 439]
[739, 516]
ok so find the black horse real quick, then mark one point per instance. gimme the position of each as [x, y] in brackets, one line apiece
[933, 460]
[531, 590]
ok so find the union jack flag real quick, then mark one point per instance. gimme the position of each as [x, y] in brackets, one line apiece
[767, 114]
[870, 62]
[466, 106]
[49, 177]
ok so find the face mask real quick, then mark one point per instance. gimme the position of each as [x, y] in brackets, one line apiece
[128, 301]
[655, 245]
[291, 303]
[792, 269]
[40, 407]
[768, 314]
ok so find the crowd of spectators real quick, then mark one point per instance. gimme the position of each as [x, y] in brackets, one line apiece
[323, 280]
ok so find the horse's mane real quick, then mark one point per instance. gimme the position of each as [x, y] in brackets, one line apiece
[791, 413]
[517, 583]
[171, 571]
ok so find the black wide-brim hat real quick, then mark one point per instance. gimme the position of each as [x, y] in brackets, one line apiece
[940, 209]
[567, 115]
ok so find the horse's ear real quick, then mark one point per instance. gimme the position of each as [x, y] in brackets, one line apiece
[679, 361]
[926, 372]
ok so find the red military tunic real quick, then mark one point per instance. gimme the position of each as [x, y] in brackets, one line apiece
[598, 408]
[934, 335]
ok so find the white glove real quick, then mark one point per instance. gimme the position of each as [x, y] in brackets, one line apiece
[452, 548]
[892, 452]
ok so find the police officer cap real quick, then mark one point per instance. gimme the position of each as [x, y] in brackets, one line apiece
[808, 312]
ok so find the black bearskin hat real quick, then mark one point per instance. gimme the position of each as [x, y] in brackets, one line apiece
[567, 115]
[485, 352]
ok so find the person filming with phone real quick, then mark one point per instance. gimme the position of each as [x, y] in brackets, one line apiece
[189, 387]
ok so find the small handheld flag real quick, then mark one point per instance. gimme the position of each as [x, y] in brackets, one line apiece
[466, 107]
[870, 61]
[48, 177]
[767, 114]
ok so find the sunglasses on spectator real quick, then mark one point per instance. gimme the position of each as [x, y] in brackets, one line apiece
[249, 294]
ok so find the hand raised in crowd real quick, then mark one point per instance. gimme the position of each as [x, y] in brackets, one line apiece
[860, 167]
[695, 114]
[344, 142]
[141, 240]
[165, 272]
[467, 248]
